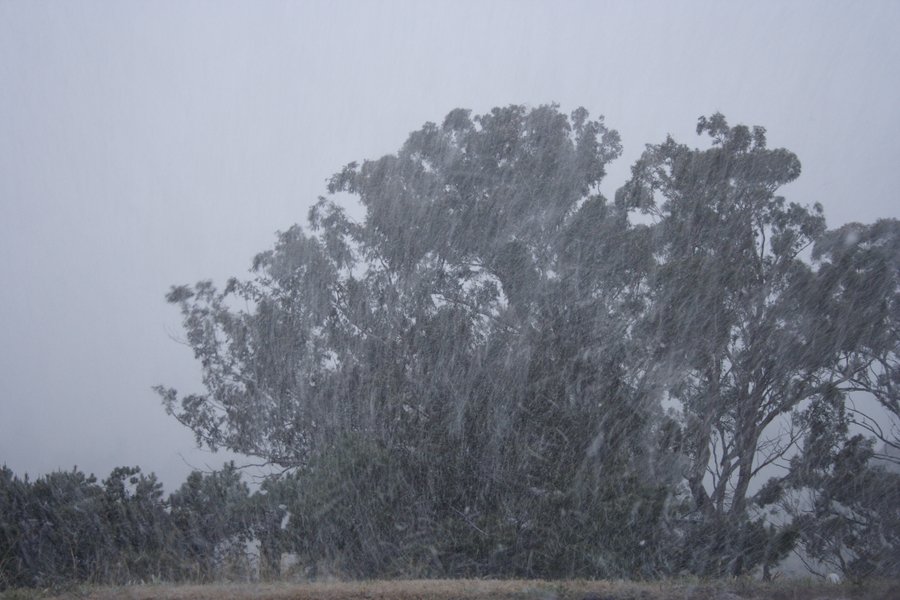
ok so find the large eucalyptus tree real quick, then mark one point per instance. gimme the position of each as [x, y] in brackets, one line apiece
[494, 371]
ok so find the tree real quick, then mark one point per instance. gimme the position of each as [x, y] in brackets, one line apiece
[745, 330]
[858, 302]
[268, 511]
[210, 512]
[14, 494]
[140, 542]
[457, 222]
[466, 320]
[734, 339]
[845, 508]
[518, 371]
[61, 533]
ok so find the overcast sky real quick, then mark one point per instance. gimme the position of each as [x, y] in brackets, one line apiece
[153, 143]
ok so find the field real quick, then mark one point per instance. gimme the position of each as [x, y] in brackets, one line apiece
[483, 589]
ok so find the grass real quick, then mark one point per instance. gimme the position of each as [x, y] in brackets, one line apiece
[472, 589]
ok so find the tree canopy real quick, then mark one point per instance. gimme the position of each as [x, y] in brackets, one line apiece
[496, 368]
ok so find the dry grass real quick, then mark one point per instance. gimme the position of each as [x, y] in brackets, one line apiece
[487, 589]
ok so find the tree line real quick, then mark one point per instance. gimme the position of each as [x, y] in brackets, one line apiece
[67, 526]
[497, 371]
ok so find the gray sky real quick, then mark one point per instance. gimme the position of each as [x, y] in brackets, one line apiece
[147, 144]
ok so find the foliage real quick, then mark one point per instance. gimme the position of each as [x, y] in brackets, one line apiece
[139, 538]
[845, 508]
[451, 325]
[858, 308]
[495, 347]
[735, 337]
[66, 527]
[210, 512]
